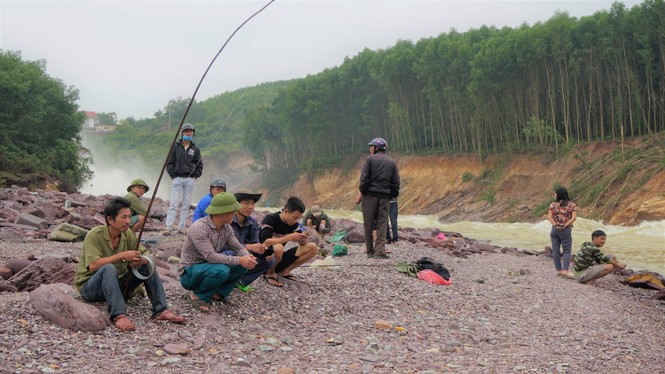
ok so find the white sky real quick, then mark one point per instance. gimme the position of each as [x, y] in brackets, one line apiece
[132, 57]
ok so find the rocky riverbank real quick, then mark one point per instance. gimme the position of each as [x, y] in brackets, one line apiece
[503, 313]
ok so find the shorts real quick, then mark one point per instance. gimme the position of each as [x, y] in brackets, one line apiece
[589, 273]
[288, 258]
[133, 220]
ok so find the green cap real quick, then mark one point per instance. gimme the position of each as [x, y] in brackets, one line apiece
[222, 203]
[138, 182]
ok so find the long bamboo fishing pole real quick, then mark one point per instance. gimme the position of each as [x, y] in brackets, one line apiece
[191, 101]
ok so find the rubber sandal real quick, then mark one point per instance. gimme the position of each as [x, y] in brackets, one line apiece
[169, 316]
[273, 280]
[123, 323]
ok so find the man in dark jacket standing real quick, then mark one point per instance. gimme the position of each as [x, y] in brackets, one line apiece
[184, 166]
[379, 182]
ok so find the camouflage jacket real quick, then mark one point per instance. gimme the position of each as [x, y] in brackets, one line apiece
[587, 256]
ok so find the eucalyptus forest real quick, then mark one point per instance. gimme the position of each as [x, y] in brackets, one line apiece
[487, 90]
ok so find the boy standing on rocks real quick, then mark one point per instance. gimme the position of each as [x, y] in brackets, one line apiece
[104, 272]
[585, 270]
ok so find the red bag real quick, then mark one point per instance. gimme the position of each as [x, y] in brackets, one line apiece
[430, 276]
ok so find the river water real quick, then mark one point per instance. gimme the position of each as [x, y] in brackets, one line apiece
[640, 247]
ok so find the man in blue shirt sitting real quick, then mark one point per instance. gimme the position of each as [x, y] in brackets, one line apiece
[216, 186]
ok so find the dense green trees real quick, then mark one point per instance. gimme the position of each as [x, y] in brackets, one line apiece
[487, 90]
[219, 125]
[39, 127]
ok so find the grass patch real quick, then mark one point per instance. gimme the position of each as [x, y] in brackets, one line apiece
[489, 196]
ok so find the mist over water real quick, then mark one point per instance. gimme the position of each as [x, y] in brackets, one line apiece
[640, 247]
[113, 172]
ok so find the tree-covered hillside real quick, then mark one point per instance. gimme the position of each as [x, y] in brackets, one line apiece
[488, 90]
[219, 125]
[39, 127]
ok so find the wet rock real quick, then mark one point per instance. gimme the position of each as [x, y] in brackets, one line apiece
[56, 304]
[46, 270]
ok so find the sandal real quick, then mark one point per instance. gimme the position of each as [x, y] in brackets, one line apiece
[291, 277]
[200, 305]
[169, 316]
[123, 323]
[273, 280]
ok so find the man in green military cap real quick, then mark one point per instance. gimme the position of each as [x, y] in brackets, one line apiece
[136, 189]
[208, 274]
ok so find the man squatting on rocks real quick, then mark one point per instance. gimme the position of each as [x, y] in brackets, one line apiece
[216, 186]
[208, 274]
[246, 230]
[104, 273]
[184, 166]
[585, 270]
[379, 182]
[135, 191]
[279, 228]
[318, 221]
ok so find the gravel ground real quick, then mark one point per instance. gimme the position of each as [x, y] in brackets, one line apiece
[491, 320]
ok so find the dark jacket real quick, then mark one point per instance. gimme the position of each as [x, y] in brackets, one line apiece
[379, 176]
[185, 163]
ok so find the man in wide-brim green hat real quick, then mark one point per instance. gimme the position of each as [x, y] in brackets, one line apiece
[135, 191]
[204, 270]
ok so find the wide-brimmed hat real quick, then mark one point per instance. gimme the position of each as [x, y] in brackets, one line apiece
[138, 182]
[245, 194]
[316, 210]
[222, 203]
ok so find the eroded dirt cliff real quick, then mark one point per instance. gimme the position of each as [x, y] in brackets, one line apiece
[615, 183]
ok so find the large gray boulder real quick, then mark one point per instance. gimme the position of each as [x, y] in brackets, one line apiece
[46, 270]
[56, 304]
[30, 220]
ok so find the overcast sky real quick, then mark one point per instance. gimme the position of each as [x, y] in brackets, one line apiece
[132, 57]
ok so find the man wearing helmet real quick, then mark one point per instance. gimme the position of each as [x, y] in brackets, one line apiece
[184, 166]
[216, 186]
[379, 182]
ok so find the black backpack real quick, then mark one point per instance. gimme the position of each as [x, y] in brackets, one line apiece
[428, 263]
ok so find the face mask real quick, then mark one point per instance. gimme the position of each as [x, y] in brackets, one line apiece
[187, 137]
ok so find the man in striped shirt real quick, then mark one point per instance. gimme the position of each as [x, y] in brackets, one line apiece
[208, 274]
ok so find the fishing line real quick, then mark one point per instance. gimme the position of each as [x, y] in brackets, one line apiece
[219, 129]
[189, 105]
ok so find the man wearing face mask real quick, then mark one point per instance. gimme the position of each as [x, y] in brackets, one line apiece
[184, 166]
